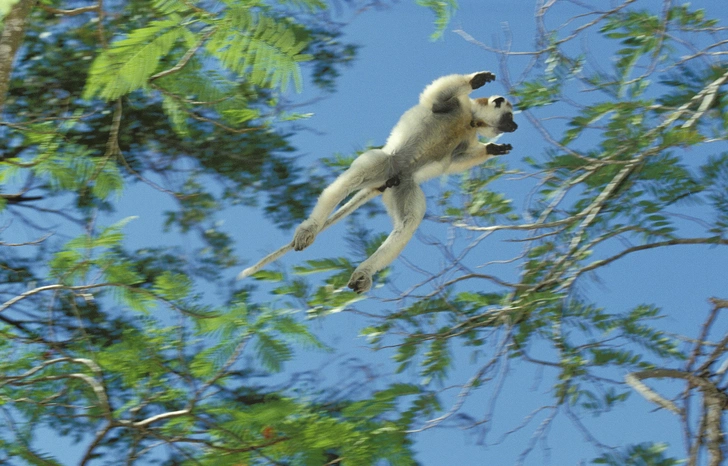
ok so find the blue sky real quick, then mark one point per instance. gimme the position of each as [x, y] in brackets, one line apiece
[395, 62]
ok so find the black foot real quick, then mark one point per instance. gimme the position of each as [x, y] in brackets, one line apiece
[480, 79]
[392, 182]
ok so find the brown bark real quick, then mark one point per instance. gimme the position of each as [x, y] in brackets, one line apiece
[10, 40]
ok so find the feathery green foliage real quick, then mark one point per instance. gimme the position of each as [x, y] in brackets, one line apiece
[264, 50]
[625, 165]
[261, 49]
[444, 11]
[129, 63]
[115, 348]
[121, 344]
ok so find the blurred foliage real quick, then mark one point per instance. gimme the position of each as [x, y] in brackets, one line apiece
[636, 455]
[136, 380]
[120, 351]
[212, 115]
[625, 164]
[444, 12]
[124, 351]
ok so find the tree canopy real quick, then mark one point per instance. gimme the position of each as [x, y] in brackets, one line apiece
[156, 355]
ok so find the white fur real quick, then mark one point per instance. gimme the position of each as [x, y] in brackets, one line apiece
[437, 136]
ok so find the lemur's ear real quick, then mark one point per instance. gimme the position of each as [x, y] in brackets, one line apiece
[498, 101]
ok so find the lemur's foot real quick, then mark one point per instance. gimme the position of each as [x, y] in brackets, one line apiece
[390, 183]
[361, 281]
[305, 234]
[498, 149]
[481, 78]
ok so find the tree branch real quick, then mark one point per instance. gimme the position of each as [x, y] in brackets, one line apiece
[185, 58]
[642, 247]
[59, 286]
[634, 380]
[10, 40]
[74, 12]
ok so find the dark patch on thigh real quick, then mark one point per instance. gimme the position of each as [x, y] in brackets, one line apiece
[446, 106]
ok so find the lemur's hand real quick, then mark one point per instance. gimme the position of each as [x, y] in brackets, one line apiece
[481, 78]
[498, 149]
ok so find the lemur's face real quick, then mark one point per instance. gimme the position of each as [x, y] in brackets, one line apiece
[493, 116]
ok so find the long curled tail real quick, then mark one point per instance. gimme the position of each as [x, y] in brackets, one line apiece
[358, 200]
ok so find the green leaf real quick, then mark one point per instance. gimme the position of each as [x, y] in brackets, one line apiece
[172, 286]
[268, 276]
[128, 64]
[382, 401]
[322, 265]
[265, 50]
[444, 10]
[272, 352]
[640, 454]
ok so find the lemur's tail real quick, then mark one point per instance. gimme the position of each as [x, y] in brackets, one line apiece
[358, 200]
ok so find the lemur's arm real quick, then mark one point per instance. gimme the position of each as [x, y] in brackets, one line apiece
[477, 155]
[442, 95]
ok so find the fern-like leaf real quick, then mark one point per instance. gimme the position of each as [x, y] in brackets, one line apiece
[128, 63]
[170, 6]
[264, 50]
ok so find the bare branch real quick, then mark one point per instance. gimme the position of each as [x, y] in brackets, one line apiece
[634, 380]
[158, 417]
[185, 58]
[28, 243]
[708, 95]
[41, 289]
[74, 12]
[642, 247]
[96, 385]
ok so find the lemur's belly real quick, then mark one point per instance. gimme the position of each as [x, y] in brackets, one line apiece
[422, 143]
[431, 170]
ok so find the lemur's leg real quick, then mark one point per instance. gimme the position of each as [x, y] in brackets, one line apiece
[406, 205]
[369, 170]
[443, 94]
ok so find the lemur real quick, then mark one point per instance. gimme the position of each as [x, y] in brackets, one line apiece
[437, 136]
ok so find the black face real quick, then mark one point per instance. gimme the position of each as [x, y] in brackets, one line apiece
[506, 123]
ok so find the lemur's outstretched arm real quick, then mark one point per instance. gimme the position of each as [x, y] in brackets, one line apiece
[477, 155]
[443, 94]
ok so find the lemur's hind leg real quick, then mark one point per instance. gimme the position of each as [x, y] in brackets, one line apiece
[369, 170]
[444, 94]
[406, 205]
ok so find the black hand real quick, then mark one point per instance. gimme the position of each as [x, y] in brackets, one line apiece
[498, 149]
[481, 78]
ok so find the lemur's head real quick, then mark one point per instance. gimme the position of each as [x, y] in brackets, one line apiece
[492, 116]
